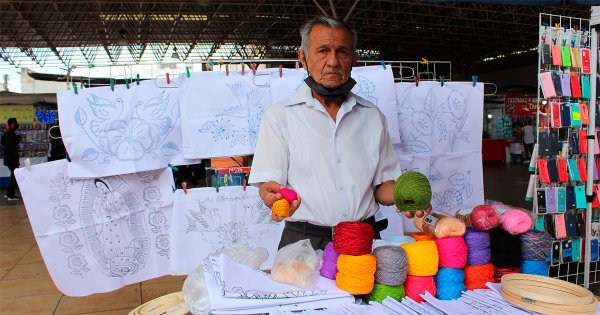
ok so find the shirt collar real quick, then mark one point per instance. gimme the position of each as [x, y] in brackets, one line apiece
[304, 97]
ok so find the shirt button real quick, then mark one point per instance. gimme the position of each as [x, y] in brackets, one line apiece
[344, 215]
[341, 188]
[339, 161]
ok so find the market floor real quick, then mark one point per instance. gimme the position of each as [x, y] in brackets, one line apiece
[26, 286]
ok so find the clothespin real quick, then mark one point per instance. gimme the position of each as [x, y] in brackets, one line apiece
[74, 87]
[416, 80]
[227, 70]
[573, 43]
[253, 69]
[545, 26]
[442, 80]
[81, 84]
[112, 85]
[137, 79]
[243, 69]
[217, 185]
[280, 71]
[565, 28]
[174, 188]
[474, 79]
[226, 181]
[168, 79]
[127, 83]
[557, 25]
[187, 71]
[244, 183]
[28, 164]
[173, 167]
[576, 27]
[297, 64]
[564, 42]
[184, 187]
[220, 63]
[211, 63]
[543, 39]
[424, 61]
[382, 63]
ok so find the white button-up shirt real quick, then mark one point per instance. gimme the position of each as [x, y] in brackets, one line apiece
[333, 166]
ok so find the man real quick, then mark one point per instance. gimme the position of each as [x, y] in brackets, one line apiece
[10, 141]
[325, 142]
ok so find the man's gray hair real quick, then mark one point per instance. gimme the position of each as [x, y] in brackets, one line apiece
[326, 21]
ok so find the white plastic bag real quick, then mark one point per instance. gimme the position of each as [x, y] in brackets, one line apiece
[195, 292]
[297, 264]
[250, 256]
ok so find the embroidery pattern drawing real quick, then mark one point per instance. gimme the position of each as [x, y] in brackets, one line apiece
[114, 226]
[248, 108]
[63, 216]
[115, 134]
[366, 89]
[432, 123]
[461, 190]
[156, 218]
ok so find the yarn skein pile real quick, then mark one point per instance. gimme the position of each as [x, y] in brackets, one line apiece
[450, 278]
[506, 252]
[390, 273]
[478, 270]
[536, 246]
[423, 260]
[330, 258]
[412, 192]
[283, 206]
[356, 266]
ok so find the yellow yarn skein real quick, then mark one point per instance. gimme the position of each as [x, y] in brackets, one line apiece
[281, 208]
[423, 258]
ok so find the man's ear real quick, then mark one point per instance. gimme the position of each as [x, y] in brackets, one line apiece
[302, 58]
[355, 59]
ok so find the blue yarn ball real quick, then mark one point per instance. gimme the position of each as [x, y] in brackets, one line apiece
[450, 283]
[534, 267]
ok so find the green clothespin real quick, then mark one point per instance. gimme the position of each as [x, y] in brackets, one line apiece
[137, 79]
[187, 71]
[474, 79]
[442, 78]
[112, 85]
[127, 83]
[173, 167]
[382, 62]
[74, 87]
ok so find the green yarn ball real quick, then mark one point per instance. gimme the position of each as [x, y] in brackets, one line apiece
[412, 192]
[381, 291]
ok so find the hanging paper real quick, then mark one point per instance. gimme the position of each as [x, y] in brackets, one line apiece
[125, 131]
[205, 221]
[99, 234]
[373, 83]
[221, 113]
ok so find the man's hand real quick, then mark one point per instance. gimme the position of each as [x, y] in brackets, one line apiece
[269, 193]
[418, 213]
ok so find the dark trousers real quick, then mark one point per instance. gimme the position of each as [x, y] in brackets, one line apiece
[12, 185]
[318, 236]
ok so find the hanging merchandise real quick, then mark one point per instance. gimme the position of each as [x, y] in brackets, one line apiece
[102, 233]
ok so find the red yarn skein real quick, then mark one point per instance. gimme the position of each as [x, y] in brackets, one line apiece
[353, 238]
[415, 285]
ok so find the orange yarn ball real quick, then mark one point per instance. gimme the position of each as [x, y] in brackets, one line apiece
[422, 236]
[356, 274]
[477, 276]
[281, 208]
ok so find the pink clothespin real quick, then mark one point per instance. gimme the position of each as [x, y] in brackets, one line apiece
[184, 187]
[297, 65]
[243, 69]
[227, 70]
[417, 81]
[280, 71]
[168, 79]
[253, 69]
[244, 184]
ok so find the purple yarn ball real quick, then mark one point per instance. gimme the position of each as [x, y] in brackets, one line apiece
[478, 247]
[330, 258]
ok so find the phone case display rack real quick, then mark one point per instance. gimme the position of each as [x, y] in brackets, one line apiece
[565, 160]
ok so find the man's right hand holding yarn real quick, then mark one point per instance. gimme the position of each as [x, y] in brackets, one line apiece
[269, 192]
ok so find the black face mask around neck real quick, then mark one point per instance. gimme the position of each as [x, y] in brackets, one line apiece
[330, 94]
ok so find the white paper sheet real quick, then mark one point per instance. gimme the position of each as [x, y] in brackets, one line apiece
[97, 235]
[122, 131]
[441, 129]
[205, 221]
[221, 114]
[373, 83]
[240, 281]
[222, 305]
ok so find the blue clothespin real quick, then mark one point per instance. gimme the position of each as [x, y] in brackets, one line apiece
[74, 87]
[565, 28]
[112, 85]
[127, 83]
[573, 43]
[187, 71]
[211, 63]
[137, 79]
[382, 62]
[442, 80]
[173, 167]
[474, 78]
[545, 26]
[217, 185]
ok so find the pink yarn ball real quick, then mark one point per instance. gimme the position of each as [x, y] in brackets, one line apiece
[452, 252]
[485, 217]
[288, 194]
[516, 221]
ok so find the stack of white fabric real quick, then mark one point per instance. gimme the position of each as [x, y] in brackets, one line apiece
[238, 289]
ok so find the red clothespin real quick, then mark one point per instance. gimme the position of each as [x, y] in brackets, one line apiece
[280, 71]
[243, 69]
[253, 68]
[227, 70]
[297, 65]
[576, 27]
[416, 80]
[168, 79]
[543, 39]
[244, 183]
[184, 187]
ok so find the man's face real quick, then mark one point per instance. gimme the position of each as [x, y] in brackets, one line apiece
[329, 58]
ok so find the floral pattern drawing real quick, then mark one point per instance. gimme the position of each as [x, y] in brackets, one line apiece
[434, 123]
[365, 88]
[247, 107]
[64, 218]
[127, 132]
[157, 220]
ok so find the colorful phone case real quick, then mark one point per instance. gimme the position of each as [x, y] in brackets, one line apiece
[575, 86]
[539, 223]
[565, 82]
[541, 200]
[565, 114]
[585, 61]
[571, 224]
[543, 171]
[560, 228]
[580, 201]
[576, 249]
[551, 203]
[563, 174]
[554, 143]
[555, 258]
[557, 82]
[571, 203]
[556, 56]
[582, 141]
[574, 142]
[555, 113]
[594, 256]
[585, 118]
[561, 199]
[585, 86]
[575, 57]
[566, 251]
[565, 52]
[582, 169]
[547, 85]
[552, 170]
[575, 115]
